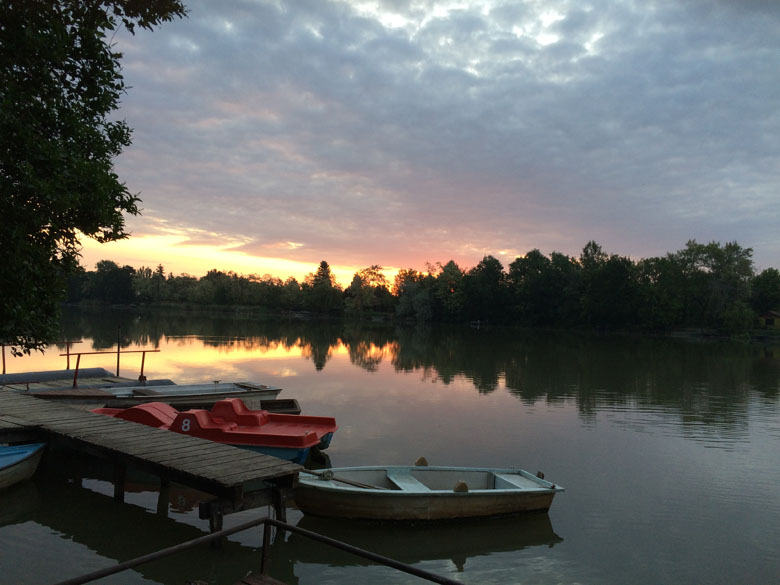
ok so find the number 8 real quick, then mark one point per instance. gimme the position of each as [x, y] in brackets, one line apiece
[185, 425]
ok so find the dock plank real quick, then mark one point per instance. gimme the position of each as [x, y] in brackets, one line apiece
[209, 466]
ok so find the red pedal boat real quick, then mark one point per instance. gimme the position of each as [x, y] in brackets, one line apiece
[286, 436]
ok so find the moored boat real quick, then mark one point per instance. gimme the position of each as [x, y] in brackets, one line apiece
[421, 492]
[286, 436]
[19, 462]
[98, 387]
[125, 396]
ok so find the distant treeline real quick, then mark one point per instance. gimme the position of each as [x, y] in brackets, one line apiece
[703, 286]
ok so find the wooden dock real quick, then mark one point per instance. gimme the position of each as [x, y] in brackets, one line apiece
[237, 478]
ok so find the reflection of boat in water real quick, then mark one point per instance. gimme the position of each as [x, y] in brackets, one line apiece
[118, 532]
[168, 500]
[412, 544]
[422, 493]
[18, 502]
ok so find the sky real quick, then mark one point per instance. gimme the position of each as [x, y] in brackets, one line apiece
[272, 135]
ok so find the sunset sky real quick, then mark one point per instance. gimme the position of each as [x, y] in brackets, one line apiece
[271, 135]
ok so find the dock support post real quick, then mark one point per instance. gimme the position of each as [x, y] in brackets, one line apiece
[215, 516]
[120, 474]
[162, 498]
[266, 548]
[279, 496]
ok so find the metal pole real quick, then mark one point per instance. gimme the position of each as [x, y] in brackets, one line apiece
[76, 371]
[3, 359]
[142, 378]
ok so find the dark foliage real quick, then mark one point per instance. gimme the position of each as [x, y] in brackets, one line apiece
[59, 82]
[709, 287]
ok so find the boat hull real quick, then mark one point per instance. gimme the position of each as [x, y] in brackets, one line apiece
[186, 401]
[285, 436]
[18, 464]
[180, 396]
[294, 455]
[329, 498]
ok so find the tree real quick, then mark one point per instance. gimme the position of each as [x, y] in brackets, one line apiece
[321, 292]
[60, 80]
[545, 291]
[291, 297]
[368, 291]
[609, 288]
[485, 289]
[357, 296]
[765, 291]
[404, 278]
[415, 299]
[112, 284]
[448, 292]
[142, 284]
[565, 289]
[529, 283]
[718, 279]
[662, 290]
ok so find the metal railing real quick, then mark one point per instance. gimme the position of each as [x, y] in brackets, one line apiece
[268, 523]
[67, 349]
[68, 353]
[118, 352]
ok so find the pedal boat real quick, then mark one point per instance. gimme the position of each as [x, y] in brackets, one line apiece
[286, 436]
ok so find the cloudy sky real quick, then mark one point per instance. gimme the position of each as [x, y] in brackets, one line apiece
[270, 135]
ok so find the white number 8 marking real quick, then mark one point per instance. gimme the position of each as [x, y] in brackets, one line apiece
[185, 425]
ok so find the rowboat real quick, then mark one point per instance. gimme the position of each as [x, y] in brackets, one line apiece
[99, 387]
[421, 492]
[286, 436]
[19, 462]
[125, 396]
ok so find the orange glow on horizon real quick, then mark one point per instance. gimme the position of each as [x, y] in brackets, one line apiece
[179, 257]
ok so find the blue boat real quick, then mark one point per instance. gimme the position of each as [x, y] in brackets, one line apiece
[19, 462]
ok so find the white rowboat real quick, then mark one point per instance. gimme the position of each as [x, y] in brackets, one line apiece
[422, 493]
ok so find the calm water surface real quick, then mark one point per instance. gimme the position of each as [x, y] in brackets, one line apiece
[668, 450]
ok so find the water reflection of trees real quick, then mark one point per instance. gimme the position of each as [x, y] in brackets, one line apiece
[450, 352]
[706, 383]
[317, 339]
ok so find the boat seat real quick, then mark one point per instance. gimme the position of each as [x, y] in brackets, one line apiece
[408, 483]
[234, 410]
[144, 392]
[509, 481]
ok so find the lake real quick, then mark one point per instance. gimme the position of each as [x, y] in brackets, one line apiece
[669, 450]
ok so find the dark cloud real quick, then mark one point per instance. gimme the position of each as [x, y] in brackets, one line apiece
[412, 134]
